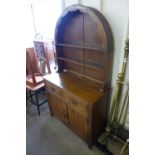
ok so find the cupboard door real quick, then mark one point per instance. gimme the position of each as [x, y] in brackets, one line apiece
[59, 108]
[78, 123]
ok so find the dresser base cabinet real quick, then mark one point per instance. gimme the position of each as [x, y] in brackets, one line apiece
[78, 91]
[77, 104]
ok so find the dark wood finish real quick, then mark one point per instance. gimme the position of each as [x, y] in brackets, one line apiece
[91, 65]
[83, 47]
[85, 104]
[83, 40]
[78, 123]
[49, 101]
[59, 109]
[78, 92]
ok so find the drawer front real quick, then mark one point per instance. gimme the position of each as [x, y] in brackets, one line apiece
[54, 89]
[78, 104]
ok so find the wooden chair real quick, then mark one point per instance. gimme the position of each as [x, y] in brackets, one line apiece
[34, 79]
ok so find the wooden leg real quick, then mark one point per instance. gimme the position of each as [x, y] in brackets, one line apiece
[90, 145]
[51, 110]
[51, 113]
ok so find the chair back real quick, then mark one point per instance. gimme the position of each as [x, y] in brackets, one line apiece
[31, 65]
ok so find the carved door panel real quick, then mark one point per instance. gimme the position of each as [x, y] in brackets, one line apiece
[78, 123]
[59, 108]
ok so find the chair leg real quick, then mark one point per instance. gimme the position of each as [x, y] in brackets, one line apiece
[31, 96]
[44, 91]
[37, 103]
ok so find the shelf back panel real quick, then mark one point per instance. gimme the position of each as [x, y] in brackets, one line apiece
[84, 43]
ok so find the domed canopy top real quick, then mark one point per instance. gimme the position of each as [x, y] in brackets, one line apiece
[88, 19]
[84, 43]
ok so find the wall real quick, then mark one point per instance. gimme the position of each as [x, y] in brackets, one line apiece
[116, 12]
[46, 13]
[29, 26]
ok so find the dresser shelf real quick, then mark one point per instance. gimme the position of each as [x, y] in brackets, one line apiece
[97, 48]
[91, 65]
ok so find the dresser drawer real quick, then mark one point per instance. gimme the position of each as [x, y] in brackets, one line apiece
[78, 104]
[54, 89]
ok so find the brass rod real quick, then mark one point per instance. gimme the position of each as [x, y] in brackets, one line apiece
[121, 78]
[119, 139]
[115, 107]
[113, 104]
[126, 145]
[124, 103]
[126, 112]
[123, 83]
